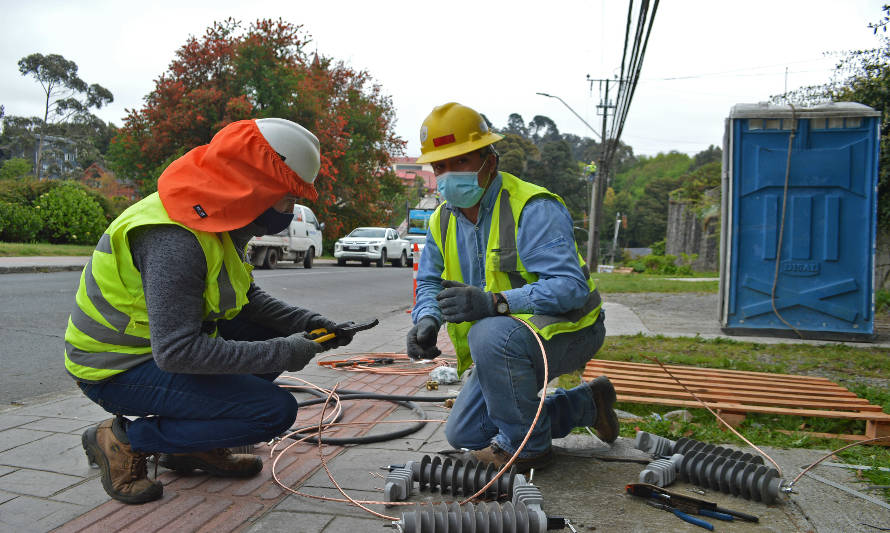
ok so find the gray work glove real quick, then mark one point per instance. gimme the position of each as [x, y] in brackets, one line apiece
[302, 351]
[341, 339]
[422, 339]
[460, 302]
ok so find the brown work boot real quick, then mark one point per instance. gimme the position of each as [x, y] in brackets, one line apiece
[124, 473]
[219, 462]
[603, 394]
[498, 457]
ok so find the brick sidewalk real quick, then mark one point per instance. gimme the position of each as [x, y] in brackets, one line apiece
[202, 503]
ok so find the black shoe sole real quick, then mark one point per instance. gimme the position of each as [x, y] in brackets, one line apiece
[96, 456]
[607, 420]
[186, 465]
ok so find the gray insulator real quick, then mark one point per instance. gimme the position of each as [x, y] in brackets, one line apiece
[685, 446]
[743, 475]
[530, 496]
[455, 477]
[469, 518]
[661, 472]
[399, 485]
[654, 444]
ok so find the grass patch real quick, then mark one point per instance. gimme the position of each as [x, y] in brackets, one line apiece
[615, 283]
[16, 249]
[863, 371]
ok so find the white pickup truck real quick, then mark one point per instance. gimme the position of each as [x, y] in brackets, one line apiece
[301, 241]
[372, 244]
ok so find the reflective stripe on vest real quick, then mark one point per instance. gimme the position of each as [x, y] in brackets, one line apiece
[108, 329]
[503, 268]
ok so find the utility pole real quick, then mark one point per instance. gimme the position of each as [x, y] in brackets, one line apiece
[615, 237]
[602, 174]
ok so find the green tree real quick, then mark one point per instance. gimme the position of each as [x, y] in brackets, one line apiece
[560, 174]
[710, 155]
[14, 168]
[66, 94]
[233, 73]
[648, 221]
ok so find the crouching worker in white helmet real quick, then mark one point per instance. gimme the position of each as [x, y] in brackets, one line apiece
[500, 247]
[168, 326]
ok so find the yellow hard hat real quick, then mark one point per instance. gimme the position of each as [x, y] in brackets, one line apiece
[453, 129]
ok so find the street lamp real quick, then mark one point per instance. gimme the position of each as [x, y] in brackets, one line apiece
[592, 240]
[573, 112]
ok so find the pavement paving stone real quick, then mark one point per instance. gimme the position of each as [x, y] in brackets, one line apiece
[11, 438]
[8, 420]
[35, 515]
[59, 425]
[6, 496]
[343, 524]
[36, 482]
[304, 504]
[88, 493]
[57, 452]
[5, 470]
[76, 407]
[278, 521]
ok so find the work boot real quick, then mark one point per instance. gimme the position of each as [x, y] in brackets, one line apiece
[603, 394]
[124, 473]
[219, 462]
[498, 457]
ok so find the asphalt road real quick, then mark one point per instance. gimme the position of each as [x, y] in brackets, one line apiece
[34, 312]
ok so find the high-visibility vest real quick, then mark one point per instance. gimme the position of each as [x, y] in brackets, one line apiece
[108, 329]
[503, 267]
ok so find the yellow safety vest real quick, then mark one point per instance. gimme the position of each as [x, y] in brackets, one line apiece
[108, 330]
[503, 267]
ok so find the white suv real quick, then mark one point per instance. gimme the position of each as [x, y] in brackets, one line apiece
[372, 244]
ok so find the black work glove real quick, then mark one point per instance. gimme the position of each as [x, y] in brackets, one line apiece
[341, 338]
[302, 351]
[460, 302]
[422, 339]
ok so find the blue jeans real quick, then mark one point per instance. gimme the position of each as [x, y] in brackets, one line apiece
[181, 413]
[498, 400]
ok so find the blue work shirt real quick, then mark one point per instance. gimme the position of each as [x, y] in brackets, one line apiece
[546, 246]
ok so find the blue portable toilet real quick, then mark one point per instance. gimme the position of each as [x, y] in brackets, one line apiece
[797, 247]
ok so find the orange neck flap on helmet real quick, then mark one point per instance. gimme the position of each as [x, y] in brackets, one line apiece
[226, 184]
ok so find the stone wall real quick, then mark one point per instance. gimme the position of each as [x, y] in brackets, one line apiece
[882, 261]
[688, 233]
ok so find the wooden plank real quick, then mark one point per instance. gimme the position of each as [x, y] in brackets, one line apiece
[710, 396]
[665, 380]
[718, 371]
[842, 436]
[729, 406]
[747, 383]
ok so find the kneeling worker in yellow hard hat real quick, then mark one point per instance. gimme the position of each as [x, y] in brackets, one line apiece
[500, 247]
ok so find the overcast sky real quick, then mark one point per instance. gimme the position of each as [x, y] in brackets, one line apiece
[491, 55]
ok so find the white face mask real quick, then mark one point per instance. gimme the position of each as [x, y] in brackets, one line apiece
[460, 189]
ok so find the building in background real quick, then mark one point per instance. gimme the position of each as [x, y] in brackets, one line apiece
[409, 170]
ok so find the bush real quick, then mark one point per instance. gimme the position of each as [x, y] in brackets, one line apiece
[18, 223]
[657, 247]
[24, 191]
[882, 301]
[660, 264]
[70, 215]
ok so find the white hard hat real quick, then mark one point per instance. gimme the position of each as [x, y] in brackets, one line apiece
[295, 144]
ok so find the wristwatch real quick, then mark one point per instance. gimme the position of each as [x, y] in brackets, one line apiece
[500, 304]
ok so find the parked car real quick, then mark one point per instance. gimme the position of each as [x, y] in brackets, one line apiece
[419, 240]
[301, 241]
[372, 244]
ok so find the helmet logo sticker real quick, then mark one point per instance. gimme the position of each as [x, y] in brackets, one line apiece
[443, 140]
[424, 132]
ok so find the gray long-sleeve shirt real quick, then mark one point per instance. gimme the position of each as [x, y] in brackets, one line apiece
[173, 270]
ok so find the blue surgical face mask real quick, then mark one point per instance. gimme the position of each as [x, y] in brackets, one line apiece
[274, 221]
[460, 189]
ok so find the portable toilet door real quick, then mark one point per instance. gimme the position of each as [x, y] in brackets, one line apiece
[797, 254]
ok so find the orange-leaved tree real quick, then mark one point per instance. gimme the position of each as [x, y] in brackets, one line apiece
[232, 73]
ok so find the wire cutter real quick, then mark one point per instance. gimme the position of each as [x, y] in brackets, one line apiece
[680, 514]
[366, 361]
[686, 504]
[322, 335]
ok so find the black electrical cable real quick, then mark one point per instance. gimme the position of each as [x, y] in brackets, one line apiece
[344, 394]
